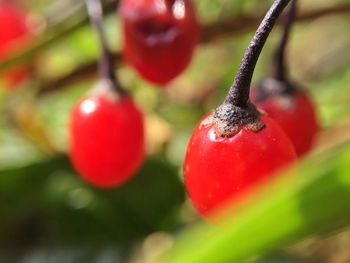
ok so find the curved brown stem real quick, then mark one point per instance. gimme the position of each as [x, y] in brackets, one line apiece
[279, 69]
[239, 92]
[106, 63]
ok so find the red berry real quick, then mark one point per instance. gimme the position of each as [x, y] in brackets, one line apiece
[159, 37]
[107, 139]
[14, 31]
[295, 114]
[218, 169]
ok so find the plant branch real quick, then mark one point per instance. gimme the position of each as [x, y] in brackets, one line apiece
[211, 32]
[243, 24]
[106, 63]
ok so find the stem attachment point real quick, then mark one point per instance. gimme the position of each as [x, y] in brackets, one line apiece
[228, 119]
[236, 110]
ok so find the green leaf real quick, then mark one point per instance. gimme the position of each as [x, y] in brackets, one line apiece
[313, 199]
[48, 201]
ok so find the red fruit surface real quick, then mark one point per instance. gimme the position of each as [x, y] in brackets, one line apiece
[13, 32]
[107, 139]
[219, 169]
[296, 116]
[160, 37]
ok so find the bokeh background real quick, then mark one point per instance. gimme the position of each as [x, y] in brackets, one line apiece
[48, 214]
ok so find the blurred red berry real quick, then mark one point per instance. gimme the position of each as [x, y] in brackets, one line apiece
[107, 139]
[13, 33]
[294, 112]
[218, 169]
[160, 37]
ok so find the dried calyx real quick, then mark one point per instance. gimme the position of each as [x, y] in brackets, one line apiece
[237, 111]
[228, 119]
[273, 87]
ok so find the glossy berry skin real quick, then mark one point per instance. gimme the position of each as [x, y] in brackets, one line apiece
[295, 114]
[160, 37]
[14, 31]
[107, 139]
[219, 169]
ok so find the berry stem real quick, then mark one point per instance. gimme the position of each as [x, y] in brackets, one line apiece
[279, 65]
[106, 67]
[239, 92]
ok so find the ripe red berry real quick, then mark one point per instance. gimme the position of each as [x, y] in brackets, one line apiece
[159, 37]
[14, 31]
[218, 169]
[107, 139]
[294, 112]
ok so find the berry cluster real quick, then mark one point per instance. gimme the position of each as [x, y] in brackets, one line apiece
[106, 128]
[251, 135]
[238, 145]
